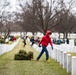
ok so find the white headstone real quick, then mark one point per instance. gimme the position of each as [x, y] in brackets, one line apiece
[74, 65]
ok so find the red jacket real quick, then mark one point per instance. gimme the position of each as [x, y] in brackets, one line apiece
[46, 39]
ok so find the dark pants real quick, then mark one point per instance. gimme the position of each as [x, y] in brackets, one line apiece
[44, 49]
[32, 43]
[24, 43]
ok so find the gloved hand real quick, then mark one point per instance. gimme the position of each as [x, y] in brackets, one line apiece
[52, 47]
[39, 45]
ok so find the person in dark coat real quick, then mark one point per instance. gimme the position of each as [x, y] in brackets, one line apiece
[58, 41]
[24, 41]
[67, 40]
[32, 40]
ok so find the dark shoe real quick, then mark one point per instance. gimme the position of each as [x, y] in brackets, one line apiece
[37, 60]
[47, 61]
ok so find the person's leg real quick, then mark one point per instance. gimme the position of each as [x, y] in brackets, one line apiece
[32, 43]
[24, 44]
[46, 51]
[40, 53]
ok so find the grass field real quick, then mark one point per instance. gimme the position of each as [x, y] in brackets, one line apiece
[9, 66]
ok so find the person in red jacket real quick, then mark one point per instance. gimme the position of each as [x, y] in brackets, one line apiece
[44, 42]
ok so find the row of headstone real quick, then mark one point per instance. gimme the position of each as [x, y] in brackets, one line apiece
[66, 60]
[6, 48]
[66, 47]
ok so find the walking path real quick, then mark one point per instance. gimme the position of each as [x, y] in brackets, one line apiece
[9, 66]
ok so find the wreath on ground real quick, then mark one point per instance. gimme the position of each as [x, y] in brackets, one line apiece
[23, 55]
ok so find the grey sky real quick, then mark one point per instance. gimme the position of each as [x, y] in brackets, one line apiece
[13, 5]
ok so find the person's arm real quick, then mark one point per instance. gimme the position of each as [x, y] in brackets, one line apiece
[51, 44]
[41, 41]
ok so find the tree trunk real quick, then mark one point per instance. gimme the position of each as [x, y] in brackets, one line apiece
[59, 35]
[65, 35]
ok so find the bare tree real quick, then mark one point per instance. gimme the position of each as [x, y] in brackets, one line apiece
[39, 15]
[67, 18]
[66, 24]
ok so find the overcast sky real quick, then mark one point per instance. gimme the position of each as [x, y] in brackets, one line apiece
[14, 4]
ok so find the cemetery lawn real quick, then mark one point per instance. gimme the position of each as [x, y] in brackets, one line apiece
[9, 66]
